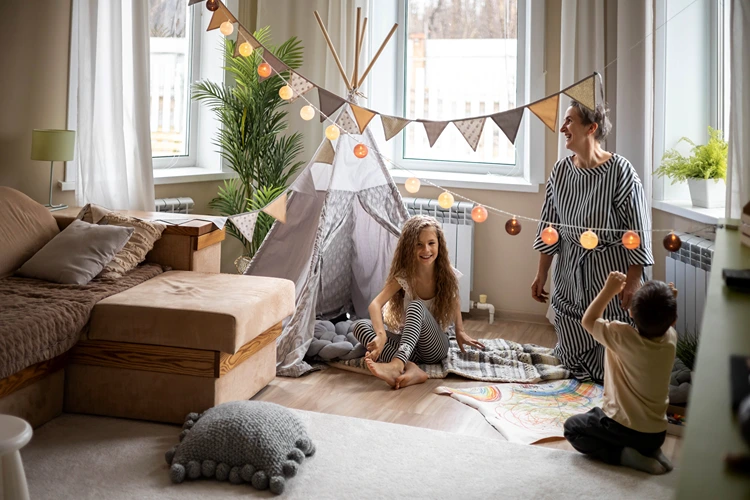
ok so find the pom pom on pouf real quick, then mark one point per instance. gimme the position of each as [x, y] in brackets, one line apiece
[334, 342]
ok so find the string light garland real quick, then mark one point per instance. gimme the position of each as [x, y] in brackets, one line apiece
[360, 150]
[246, 49]
[513, 227]
[332, 132]
[264, 70]
[226, 28]
[550, 235]
[212, 5]
[446, 199]
[631, 240]
[286, 92]
[589, 240]
[412, 185]
[479, 214]
[307, 113]
[672, 242]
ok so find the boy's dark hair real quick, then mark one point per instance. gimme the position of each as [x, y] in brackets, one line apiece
[654, 309]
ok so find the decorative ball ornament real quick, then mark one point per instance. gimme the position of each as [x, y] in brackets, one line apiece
[264, 70]
[550, 236]
[479, 214]
[513, 227]
[672, 242]
[286, 92]
[631, 240]
[332, 132]
[212, 5]
[307, 113]
[360, 150]
[246, 49]
[412, 184]
[226, 28]
[445, 199]
[589, 240]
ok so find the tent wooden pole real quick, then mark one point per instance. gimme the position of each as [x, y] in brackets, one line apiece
[377, 54]
[356, 49]
[333, 50]
[362, 39]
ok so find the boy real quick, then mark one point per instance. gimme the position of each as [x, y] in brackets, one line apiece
[630, 427]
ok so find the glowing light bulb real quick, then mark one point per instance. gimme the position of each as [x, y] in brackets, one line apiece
[360, 150]
[226, 28]
[212, 5]
[264, 70]
[286, 92]
[332, 132]
[631, 240]
[445, 199]
[513, 227]
[245, 49]
[307, 113]
[479, 214]
[672, 242]
[589, 240]
[412, 184]
[550, 236]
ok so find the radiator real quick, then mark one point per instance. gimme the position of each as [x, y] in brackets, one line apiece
[459, 236]
[690, 269]
[181, 205]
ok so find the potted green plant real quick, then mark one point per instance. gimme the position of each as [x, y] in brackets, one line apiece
[251, 137]
[705, 169]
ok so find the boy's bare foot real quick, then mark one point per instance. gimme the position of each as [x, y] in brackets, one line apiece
[633, 459]
[662, 459]
[386, 371]
[412, 375]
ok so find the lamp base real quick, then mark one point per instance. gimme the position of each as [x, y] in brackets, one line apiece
[53, 208]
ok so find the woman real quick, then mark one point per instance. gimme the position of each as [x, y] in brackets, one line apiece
[591, 189]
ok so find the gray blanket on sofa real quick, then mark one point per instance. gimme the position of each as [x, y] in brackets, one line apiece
[41, 320]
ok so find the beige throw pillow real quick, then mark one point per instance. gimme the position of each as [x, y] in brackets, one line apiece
[135, 250]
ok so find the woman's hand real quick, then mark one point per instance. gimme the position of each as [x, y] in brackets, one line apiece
[375, 347]
[463, 339]
[626, 295]
[537, 288]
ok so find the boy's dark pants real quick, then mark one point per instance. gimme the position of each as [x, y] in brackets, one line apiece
[595, 434]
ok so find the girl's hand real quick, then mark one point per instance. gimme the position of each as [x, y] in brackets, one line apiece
[462, 338]
[375, 347]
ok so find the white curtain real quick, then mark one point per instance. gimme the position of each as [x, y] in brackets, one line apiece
[289, 18]
[738, 164]
[110, 44]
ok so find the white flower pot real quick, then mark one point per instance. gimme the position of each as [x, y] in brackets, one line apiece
[707, 193]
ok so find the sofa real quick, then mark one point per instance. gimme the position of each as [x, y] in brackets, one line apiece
[170, 337]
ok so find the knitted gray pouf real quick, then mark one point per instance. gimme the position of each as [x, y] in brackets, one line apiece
[243, 441]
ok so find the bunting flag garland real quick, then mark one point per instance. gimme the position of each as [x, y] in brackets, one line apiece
[392, 125]
[245, 223]
[219, 16]
[363, 117]
[329, 103]
[326, 153]
[277, 208]
[584, 92]
[275, 63]
[546, 110]
[509, 122]
[299, 85]
[433, 129]
[346, 123]
[244, 36]
[471, 130]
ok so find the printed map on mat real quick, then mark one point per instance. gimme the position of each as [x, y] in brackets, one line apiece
[527, 413]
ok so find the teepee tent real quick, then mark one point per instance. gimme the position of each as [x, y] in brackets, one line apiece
[343, 219]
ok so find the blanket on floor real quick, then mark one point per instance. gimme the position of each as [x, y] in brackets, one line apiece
[500, 361]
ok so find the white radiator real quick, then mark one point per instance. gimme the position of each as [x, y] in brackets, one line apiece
[690, 269]
[174, 205]
[458, 227]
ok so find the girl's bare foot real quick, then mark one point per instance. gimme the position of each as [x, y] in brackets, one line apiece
[412, 375]
[386, 371]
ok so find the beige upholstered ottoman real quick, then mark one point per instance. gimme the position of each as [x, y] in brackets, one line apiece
[181, 342]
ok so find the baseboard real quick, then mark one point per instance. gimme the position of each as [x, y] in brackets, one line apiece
[521, 317]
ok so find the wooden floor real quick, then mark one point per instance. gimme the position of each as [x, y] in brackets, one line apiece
[344, 393]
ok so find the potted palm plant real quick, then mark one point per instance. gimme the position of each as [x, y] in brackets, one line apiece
[705, 169]
[251, 137]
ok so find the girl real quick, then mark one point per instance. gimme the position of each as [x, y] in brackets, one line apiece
[421, 293]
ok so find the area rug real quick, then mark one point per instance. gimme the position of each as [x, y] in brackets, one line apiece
[82, 457]
[500, 361]
[527, 413]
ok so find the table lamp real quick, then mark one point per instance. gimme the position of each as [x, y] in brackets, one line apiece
[52, 146]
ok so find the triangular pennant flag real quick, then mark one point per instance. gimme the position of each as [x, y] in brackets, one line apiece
[329, 103]
[509, 121]
[219, 16]
[277, 208]
[193, 2]
[241, 38]
[546, 110]
[275, 63]
[346, 123]
[363, 117]
[584, 92]
[299, 85]
[471, 130]
[433, 129]
[245, 223]
[325, 153]
[392, 125]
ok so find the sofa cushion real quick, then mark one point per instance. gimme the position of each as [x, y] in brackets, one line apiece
[216, 312]
[140, 243]
[25, 227]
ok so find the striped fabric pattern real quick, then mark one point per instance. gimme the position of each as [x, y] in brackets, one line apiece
[607, 196]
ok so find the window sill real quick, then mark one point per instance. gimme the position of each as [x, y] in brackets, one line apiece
[188, 174]
[687, 210]
[468, 181]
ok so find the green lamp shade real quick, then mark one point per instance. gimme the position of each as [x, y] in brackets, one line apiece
[52, 145]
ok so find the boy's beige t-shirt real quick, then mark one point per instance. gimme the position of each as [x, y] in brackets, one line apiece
[636, 375]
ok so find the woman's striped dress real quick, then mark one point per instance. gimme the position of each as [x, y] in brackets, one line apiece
[607, 196]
